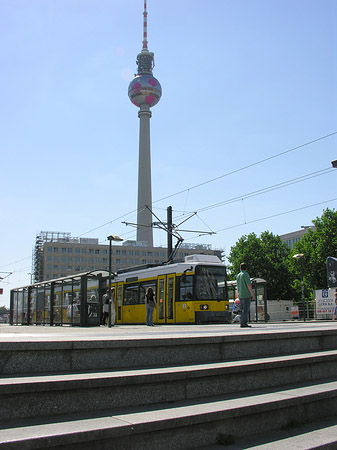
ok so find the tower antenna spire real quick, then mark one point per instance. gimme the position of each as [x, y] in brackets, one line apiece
[145, 49]
[144, 92]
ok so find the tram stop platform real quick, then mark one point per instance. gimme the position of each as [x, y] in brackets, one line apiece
[270, 386]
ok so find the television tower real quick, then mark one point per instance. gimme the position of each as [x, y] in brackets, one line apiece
[144, 92]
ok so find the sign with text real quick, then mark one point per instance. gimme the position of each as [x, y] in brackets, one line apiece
[325, 302]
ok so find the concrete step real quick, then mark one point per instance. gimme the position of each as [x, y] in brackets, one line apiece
[320, 435]
[59, 356]
[187, 425]
[31, 396]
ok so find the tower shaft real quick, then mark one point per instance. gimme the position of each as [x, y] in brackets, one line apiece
[144, 215]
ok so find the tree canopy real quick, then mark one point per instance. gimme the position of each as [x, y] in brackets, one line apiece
[316, 245]
[266, 257]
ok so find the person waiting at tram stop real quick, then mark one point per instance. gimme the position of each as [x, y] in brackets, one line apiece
[113, 308]
[105, 301]
[245, 294]
[236, 311]
[150, 302]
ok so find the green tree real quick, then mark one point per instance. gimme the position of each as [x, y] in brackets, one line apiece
[316, 246]
[266, 257]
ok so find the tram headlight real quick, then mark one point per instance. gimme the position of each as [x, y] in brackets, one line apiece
[204, 307]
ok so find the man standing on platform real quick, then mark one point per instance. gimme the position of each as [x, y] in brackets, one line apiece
[245, 294]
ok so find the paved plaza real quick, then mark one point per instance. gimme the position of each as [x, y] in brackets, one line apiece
[21, 333]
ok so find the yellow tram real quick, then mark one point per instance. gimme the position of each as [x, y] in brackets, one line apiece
[191, 291]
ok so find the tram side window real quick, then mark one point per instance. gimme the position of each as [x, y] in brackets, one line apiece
[144, 287]
[186, 288]
[131, 295]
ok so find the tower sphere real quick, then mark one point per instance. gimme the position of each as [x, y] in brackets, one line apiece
[144, 89]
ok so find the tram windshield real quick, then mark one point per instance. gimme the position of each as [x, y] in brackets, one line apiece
[210, 283]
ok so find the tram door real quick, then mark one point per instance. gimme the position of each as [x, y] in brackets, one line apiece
[119, 309]
[165, 299]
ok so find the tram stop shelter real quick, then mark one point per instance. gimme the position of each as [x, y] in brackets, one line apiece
[73, 300]
[258, 310]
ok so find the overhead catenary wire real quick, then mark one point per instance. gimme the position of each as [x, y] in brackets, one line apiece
[224, 202]
[247, 167]
[216, 178]
[260, 219]
[268, 189]
[277, 215]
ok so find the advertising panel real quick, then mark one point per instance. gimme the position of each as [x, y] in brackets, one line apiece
[325, 302]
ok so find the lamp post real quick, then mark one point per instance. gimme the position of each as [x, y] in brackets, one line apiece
[300, 256]
[111, 238]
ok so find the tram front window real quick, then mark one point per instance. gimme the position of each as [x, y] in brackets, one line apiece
[210, 283]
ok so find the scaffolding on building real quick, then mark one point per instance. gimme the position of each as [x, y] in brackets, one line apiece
[40, 240]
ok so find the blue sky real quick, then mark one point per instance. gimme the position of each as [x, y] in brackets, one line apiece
[242, 80]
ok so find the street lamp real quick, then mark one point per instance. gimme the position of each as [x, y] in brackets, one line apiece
[300, 256]
[111, 238]
[334, 163]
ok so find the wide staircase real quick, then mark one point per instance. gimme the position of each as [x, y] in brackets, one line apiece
[250, 390]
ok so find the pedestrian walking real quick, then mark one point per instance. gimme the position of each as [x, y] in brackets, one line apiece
[245, 294]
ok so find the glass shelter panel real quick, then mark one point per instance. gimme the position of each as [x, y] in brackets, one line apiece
[57, 307]
[75, 308]
[20, 306]
[32, 307]
[15, 308]
[93, 303]
[67, 301]
[40, 305]
[24, 311]
[47, 293]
